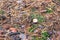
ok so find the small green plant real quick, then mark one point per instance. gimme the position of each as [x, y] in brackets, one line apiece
[1, 12]
[45, 35]
[49, 10]
[35, 38]
[40, 18]
[33, 27]
[37, 16]
[33, 9]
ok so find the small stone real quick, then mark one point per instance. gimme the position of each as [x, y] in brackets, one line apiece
[23, 26]
[50, 33]
[2, 17]
[35, 31]
[48, 39]
[22, 36]
[54, 31]
[42, 27]
[1, 28]
[43, 11]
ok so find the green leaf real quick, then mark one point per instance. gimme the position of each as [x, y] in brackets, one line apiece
[33, 27]
[40, 18]
[33, 16]
[45, 34]
[49, 11]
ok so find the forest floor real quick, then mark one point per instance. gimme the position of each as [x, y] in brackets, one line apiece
[33, 19]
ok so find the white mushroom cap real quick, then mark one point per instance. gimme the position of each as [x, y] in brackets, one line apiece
[35, 20]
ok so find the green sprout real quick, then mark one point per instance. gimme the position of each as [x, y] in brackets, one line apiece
[45, 35]
[40, 18]
[33, 27]
[49, 10]
[1, 12]
[33, 9]
[35, 38]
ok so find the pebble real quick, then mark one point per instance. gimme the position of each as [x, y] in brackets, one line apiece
[54, 31]
[0, 28]
[48, 39]
[23, 26]
[14, 37]
[50, 33]
[43, 11]
[3, 18]
[42, 27]
[35, 31]
[22, 36]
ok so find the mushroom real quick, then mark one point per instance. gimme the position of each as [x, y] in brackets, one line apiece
[35, 20]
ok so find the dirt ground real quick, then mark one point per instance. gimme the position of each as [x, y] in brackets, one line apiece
[39, 19]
